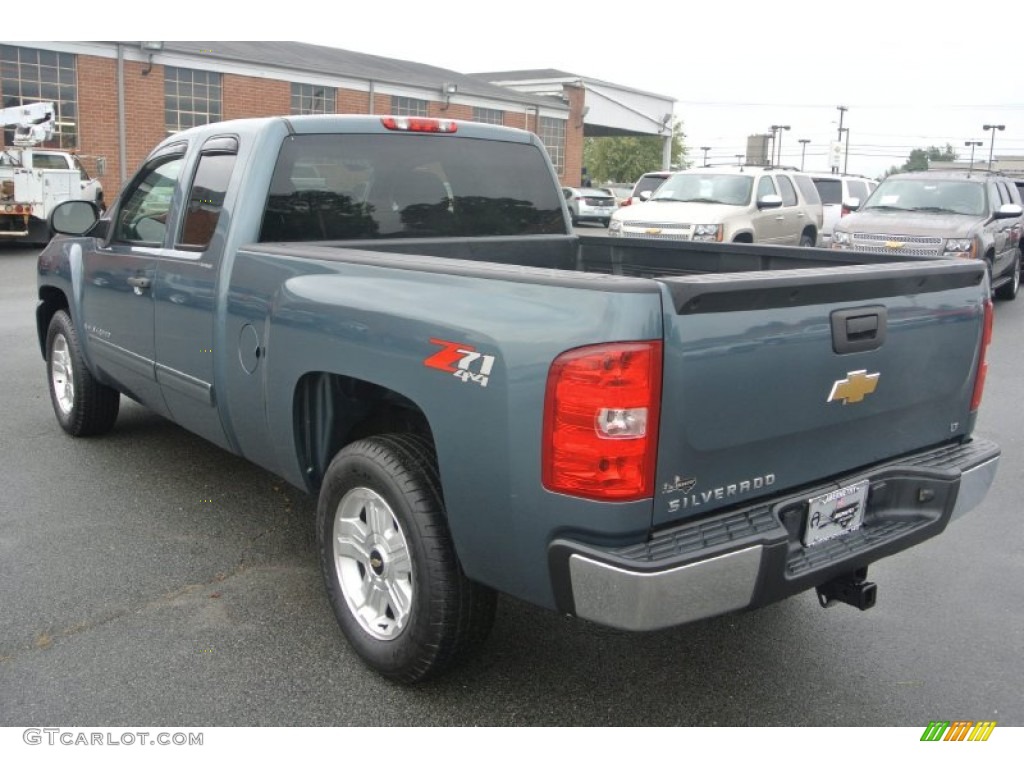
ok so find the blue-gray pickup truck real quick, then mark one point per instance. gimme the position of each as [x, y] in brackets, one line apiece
[394, 313]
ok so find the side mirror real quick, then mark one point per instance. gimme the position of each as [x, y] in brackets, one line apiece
[74, 217]
[769, 201]
[645, 195]
[851, 204]
[1009, 211]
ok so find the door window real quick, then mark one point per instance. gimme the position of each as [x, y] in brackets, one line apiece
[765, 187]
[786, 187]
[143, 217]
[206, 200]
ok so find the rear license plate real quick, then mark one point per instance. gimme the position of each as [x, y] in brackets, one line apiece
[835, 513]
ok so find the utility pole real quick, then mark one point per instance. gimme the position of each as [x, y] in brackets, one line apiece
[972, 145]
[803, 151]
[992, 143]
[705, 149]
[846, 155]
[842, 112]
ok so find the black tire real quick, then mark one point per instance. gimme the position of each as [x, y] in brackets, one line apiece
[807, 240]
[83, 406]
[372, 568]
[1008, 291]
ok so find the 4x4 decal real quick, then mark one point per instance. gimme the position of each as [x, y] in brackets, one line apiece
[462, 361]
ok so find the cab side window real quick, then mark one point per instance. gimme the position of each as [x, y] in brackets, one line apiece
[206, 197]
[143, 216]
[786, 188]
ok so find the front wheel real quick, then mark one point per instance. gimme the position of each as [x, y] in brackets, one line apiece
[83, 406]
[389, 564]
[1008, 290]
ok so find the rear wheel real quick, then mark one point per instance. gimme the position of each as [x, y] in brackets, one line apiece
[388, 562]
[807, 240]
[1008, 290]
[83, 405]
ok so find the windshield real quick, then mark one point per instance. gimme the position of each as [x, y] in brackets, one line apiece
[721, 188]
[929, 196]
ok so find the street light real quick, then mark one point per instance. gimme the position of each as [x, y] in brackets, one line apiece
[705, 149]
[992, 143]
[803, 151]
[972, 145]
[842, 112]
[779, 129]
[739, 159]
[846, 154]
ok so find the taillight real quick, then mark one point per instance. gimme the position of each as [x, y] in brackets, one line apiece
[986, 337]
[601, 421]
[627, 201]
[419, 124]
[844, 211]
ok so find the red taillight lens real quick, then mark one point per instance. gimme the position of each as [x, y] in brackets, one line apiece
[627, 201]
[844, 211]
[419, 124]
[601, 421]
[986, 337]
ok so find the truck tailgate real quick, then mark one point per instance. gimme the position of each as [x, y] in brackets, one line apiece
[777, 379]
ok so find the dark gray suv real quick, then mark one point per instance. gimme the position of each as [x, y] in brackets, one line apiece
[956, 214]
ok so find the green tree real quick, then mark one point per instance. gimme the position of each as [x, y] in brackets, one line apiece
[919, 159]
[627, 158]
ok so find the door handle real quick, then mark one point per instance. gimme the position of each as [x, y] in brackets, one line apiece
[139, 284]
[780, 218]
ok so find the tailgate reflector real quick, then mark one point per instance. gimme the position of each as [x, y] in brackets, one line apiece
[986, 337]
[601, 414]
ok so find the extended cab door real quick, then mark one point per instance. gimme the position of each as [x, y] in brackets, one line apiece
[118, 275]
[185, 293]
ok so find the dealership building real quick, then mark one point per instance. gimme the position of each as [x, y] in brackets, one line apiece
[116, 100]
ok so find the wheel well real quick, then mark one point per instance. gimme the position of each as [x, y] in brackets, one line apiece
[51, 301]
[743, 237]
[331, 411]
[809, 230]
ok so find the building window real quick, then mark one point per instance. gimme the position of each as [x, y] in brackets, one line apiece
[400, 105]
[29, 75]
[552, 135]
[492, 116]
[191, 98]
[312, 99]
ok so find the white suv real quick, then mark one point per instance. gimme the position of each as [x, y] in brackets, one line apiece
[840, 195]
[732, 204]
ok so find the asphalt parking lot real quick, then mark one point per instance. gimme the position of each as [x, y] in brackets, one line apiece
[149, 578]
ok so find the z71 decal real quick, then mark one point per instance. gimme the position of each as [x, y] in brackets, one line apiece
[462, 361]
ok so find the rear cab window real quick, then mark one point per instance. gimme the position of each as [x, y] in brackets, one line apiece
[375, 186]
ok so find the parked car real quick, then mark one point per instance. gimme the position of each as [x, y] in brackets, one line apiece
[957, 214]
[589, 204]
[737, 204]
[646, 185]
[621, 192]
[840, 195]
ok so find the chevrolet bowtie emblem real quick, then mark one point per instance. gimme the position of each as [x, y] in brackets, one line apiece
[854, 387]
[652, 231]
[894, 244]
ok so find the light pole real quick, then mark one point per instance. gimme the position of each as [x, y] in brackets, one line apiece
[846, 154]
[739, 159]
[803, 151]
[992, 143]
[842, 112]
[705, 149]
[972, 145]
[777, 145]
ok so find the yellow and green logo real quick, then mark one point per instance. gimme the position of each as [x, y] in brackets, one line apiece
[958, 730]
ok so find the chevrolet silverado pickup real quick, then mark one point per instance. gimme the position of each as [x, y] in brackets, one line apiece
[394, 314]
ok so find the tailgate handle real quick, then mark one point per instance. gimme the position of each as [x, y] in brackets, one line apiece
[858, 330]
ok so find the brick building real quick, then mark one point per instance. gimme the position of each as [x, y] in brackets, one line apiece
[116, 101]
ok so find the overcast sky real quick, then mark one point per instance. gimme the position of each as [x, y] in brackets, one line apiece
[912, 75]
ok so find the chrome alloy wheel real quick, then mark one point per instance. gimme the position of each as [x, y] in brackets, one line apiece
[371, 559]
[62, 374]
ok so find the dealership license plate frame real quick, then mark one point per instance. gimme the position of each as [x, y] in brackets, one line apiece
[835, 513]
